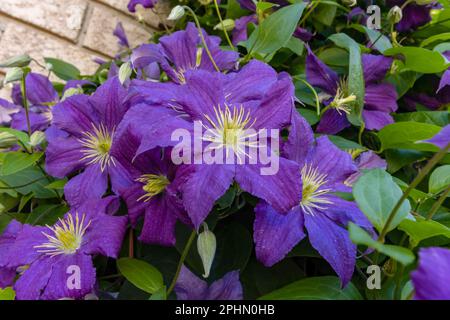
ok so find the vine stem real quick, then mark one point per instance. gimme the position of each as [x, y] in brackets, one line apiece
[422, 174]
[223, 26]
[438, 203]
[202, 37]
[23, 88]
[180, 263]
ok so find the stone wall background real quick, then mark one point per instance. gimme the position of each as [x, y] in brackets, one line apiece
[75, 31]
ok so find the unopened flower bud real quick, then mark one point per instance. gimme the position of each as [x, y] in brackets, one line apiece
[395, 14]
[349, 3]
[7, 140]
[227, 24]
[176, 13]
[205, 2]
[37, 138]
[206, 246]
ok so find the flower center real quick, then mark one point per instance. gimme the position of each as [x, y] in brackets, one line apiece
[231, 129]
[313, 193]
[65, 237]
[97, 145]
[153, 185]
[343, 99]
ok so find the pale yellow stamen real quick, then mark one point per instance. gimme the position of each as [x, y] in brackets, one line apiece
[313, 193]
[153, 185]
[230, 129]
[66, 236]
[97, 146]
[342, 101]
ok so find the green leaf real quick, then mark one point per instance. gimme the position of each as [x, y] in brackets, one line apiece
[22, 136]
[17, 161]
[143, 275]
[325, 13]
[62, 69]
[46, 214]
[29, 180]
[408, 135]
[439, 118]
[160, 294]
[57, 184]
[315, 288]
[276, 30]
[419, 59]
[344, 144]
[423, 229]
[295, 45]
[355, 75]
[381, 42]
[376, 194]
[439, 179]
[20, 61]
[438, 37]
[400, 254]
[7, 294]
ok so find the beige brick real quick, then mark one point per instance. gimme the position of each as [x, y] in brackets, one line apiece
[153, 17]
[62, 17]
[18, 39]
[99, 34]
[5, 91]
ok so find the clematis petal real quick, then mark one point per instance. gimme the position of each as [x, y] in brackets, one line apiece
[189, 286]
[239, 32]
[90, 184]
[276, 234]
[380, 97]
[227, 288]
[376, 120]
[59, 284]
[375, 67]
[159, 222]
[207, 184]
[333, 243]
[145, 3]
[332, 122]
[30, 285]
[442, 138]
[445, 80]
[430, 279]
[319, 74]
[38, 121]
[282, 190]
[300, 140]
[105, 235]
[40, 90]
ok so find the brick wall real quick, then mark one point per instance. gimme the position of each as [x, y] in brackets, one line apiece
[73, 30]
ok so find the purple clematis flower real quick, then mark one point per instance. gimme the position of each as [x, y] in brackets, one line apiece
[414, 15]
[442, 139]
[7, 109]
[80, 138]
[431, 278]
[49, 255]
[379, 101]
[145, 3]
[41, 96]
[182, 51]
[239, 32]
[228, 106]
[324, 169]
[8, 274]
[153, 188]
[190, 287]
